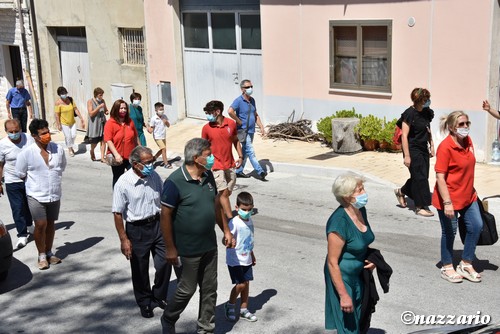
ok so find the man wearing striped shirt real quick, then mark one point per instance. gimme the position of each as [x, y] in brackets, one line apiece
[136, 200]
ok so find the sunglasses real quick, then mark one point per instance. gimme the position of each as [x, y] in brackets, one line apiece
[462, 124]
[247, 87]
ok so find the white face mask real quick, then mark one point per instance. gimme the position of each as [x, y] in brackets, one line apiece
[136, 102]
[462, 132]
[160, 112]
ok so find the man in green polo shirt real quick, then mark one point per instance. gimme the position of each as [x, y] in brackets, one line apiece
[190, 209]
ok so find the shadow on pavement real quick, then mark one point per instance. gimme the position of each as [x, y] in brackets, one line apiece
[479, 265]
[19, 275]
[77, 247]
[255, 303]
[64, 225]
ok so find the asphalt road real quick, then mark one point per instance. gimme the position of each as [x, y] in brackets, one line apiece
[91, 291]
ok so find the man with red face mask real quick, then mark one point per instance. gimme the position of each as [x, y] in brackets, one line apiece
[41, 165]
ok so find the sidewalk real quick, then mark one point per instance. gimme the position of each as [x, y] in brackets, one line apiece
[312, 158]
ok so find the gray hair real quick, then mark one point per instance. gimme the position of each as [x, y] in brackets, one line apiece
[195, 147]
[135, 155]
[345, 185]
[243, 82]
[19, 83]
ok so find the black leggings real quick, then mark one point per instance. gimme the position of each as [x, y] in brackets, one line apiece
[417, 186]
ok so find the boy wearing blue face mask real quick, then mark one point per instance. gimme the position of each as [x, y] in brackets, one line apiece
[241, 258]
[158, 124]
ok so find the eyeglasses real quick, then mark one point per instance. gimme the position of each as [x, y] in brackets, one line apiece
[462, 124]
[247, 87]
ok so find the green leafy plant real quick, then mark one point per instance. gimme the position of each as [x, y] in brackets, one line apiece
[369, 127]
[388, 131]
[324, 125]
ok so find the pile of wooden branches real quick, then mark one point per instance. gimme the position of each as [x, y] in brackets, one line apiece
[300, 130]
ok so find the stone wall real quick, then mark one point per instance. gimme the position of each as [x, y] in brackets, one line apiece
[10, 34]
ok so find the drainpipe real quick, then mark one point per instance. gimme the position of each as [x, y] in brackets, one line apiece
[36, 46]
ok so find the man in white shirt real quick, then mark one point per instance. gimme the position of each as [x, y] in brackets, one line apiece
[136, 200]
[10, 147]
[42, 164]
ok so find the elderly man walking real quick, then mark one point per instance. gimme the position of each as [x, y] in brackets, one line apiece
[10, 147]
[18, 103]
[136, 200]
[42, 164]
[190, 209]
[244, 112]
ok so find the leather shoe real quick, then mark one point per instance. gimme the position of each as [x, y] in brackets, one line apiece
[160, 303]
[147, 311]
[242, 175]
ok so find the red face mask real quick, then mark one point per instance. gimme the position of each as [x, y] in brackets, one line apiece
[44, 139]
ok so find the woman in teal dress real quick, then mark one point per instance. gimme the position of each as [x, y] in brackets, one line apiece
[348, 234]
[137, 116]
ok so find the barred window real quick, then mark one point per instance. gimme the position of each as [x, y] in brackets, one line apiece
[133, 46]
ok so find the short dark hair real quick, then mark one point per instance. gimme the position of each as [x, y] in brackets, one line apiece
[420, 95]
[61, 90]
[37, 124]
[97, 91]
[213, 106]
[134, 96]
[158, 105]
[115, 110]
[244, 198]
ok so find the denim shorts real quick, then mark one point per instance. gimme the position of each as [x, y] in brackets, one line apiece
[240, 274]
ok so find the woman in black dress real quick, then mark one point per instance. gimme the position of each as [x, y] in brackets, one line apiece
[418, 147]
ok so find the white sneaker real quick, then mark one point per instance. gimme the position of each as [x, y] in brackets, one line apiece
[31, 229]
[21, 242]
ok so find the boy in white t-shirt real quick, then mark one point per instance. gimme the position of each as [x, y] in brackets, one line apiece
[158, 124]
[241, 258]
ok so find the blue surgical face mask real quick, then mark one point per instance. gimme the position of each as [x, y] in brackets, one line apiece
[14, 136]
[427, 104]
[211, 118]
[64, 96]
[361, 201]
[249, 91]
[210, 162]
[147, 169]
[136, 102]
[245, 215]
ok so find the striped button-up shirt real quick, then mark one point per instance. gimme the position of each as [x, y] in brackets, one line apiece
[137, 198]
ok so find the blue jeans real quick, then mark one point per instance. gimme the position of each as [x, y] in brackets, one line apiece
[16, 192]
[473, 224]
[248, 152]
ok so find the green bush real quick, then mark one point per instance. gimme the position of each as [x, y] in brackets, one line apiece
[324, 125]
[369, 127]
[388, 131]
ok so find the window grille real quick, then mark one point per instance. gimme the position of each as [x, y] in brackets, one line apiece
[133, 46]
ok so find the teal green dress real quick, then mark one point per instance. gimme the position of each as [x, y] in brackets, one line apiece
[138, 119]
[351, 263]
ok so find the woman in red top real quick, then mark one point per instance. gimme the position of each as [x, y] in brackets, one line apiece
[121, 136]
[454, 194]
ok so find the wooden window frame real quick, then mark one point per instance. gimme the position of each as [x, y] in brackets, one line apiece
[359, 24]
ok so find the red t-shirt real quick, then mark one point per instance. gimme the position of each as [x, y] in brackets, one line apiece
[457, 164]
[123, 136]
[221, 140]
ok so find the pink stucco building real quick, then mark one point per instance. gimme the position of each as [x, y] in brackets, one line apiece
[315, 57]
